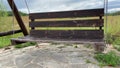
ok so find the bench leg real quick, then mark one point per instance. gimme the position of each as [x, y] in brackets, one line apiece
[99, 47]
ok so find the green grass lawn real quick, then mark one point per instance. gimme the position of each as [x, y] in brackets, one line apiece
[5, 41]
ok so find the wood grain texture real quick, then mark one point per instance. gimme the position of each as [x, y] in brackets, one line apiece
[68, 14]
[72, 23]
[68, 34]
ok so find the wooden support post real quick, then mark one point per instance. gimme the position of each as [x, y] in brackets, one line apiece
[99, 47]
[18, 17]
[9, 32]
[100, 26]
[32, 20]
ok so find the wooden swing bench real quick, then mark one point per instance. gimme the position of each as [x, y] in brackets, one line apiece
[91, 20]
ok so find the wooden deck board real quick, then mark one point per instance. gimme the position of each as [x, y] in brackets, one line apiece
[48, 40]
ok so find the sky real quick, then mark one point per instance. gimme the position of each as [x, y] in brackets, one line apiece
[62, 5]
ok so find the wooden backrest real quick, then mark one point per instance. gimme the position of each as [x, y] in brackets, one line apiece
[97, 21]
[68, 14]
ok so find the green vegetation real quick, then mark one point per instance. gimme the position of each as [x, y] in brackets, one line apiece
[5, 41]
[7, 23]
[114, 13]
[110, 39]
[113, 31]
[25, 44]
[108, 59]
[10, 13]
[117, 47]
[115, 41]
[2, 10]
[3, 14]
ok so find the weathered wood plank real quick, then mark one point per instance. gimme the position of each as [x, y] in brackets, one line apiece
[72, 23]
[68, 14]
[9, 32]
[68, 34]
[46, 40]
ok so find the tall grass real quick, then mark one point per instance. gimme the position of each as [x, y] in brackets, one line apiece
[113, 25]
[113, 30]
[7, 25]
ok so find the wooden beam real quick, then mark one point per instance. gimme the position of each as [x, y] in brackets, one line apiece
[9, 32]
[18, 17]
[68, 14]
[68, 34]
[68, 23]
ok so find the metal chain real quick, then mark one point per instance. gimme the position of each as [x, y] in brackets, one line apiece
[0, 9]
[106, 16]
[13, 19]
[27, 6]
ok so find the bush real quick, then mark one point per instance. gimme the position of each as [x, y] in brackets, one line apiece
[116, 44]
[110, 38]
[117, 47]
[109, 59]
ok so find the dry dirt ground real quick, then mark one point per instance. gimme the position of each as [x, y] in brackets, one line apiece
[47, 55]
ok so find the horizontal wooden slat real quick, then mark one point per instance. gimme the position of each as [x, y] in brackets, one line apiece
[28, 38]
[9, 32]
[68, 14]
[70, 34]
[72, 23]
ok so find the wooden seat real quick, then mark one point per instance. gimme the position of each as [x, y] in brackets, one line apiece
[91, 20]
[49, 40]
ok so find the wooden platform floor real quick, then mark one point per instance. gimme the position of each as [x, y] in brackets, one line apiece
[49, 40]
